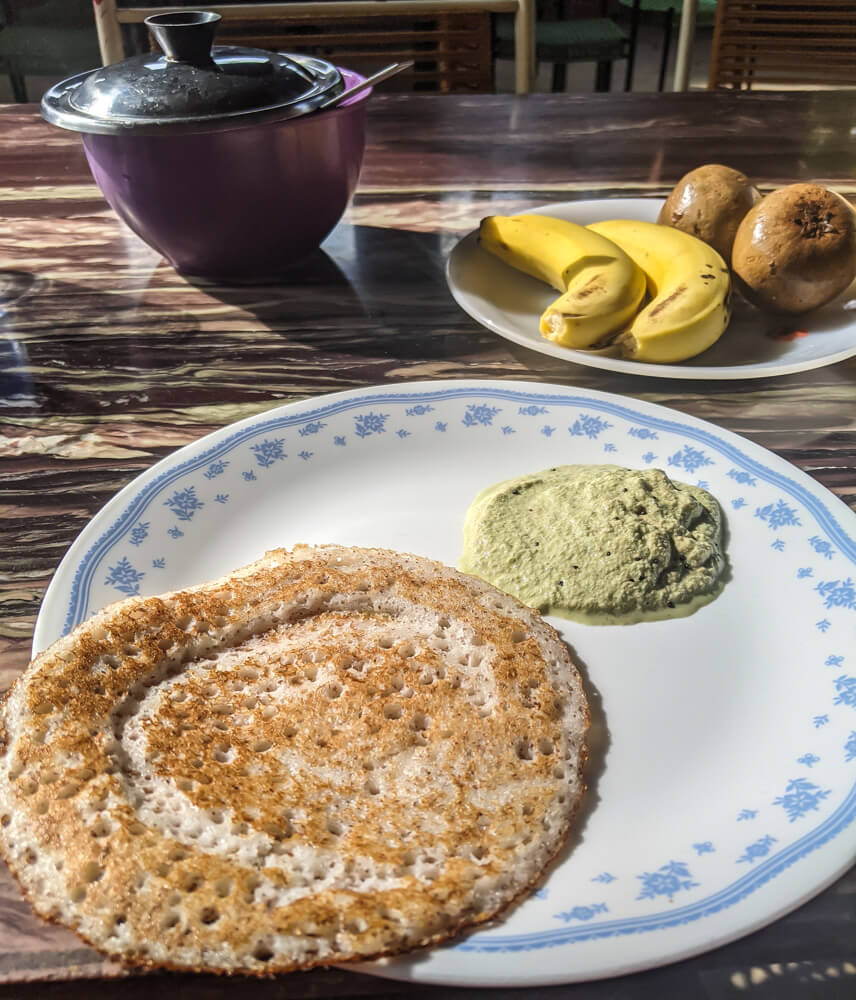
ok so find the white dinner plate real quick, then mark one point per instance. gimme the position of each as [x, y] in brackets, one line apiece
[722, 778]
[755, 345]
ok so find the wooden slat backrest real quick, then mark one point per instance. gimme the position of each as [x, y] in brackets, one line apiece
[460, 65]
[758, 43]
[451, 52]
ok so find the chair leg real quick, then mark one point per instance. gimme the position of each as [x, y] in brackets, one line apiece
[667, 44]
[560, 77]
[19, 87]
[603, 76]
[631, 55]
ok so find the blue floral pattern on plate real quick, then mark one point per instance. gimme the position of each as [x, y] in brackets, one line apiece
[124, 578]
[801, 807]
[759, 849]
[582, 912]
[666, 881]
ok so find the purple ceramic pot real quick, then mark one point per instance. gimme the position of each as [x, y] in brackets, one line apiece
[222, 158]
[240, 204]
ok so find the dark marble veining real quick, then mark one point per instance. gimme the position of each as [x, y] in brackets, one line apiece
[109, 360]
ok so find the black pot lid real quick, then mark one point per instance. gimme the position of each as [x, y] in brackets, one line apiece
[192, 86]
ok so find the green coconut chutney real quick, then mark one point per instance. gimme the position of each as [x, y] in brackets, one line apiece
[598, 543]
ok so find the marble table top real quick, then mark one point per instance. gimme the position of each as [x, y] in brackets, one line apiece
[109, 360]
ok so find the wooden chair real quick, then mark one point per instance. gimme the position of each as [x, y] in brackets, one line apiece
[561, 38]
[448, 40]
[770, 43]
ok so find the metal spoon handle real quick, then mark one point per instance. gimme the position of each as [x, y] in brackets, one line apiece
[370, 81]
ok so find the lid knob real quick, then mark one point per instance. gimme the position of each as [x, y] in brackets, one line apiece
[185, 36]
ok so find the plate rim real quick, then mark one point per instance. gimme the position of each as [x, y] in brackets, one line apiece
[623, 366]
[813, 495]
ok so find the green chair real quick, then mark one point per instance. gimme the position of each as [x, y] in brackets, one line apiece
[52, 38]
[665, 9]
[596, 39]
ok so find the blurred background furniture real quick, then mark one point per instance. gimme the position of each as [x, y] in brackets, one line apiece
[46, 40]
[45, 37]
[781, 43]
[565, 33]
[111, 361]
[448, 40]
[664, 11]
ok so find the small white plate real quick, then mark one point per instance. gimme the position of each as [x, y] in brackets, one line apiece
[755, 345]
[722, 785]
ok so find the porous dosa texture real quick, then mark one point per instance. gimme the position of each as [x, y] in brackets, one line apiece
[332, 754]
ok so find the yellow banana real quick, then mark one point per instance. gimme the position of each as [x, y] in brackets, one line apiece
[602, 287]
[690, 289]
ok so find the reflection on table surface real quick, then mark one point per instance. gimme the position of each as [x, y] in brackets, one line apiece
[110, 360]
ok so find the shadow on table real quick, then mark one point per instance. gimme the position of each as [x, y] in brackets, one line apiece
[384, 292]
[53, 332]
